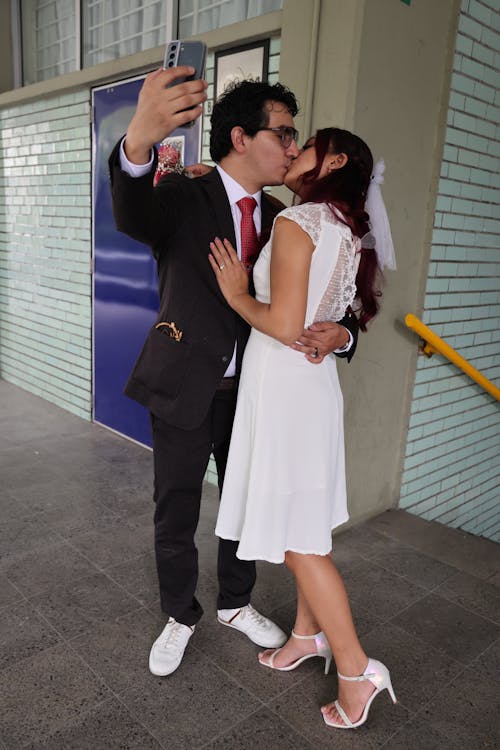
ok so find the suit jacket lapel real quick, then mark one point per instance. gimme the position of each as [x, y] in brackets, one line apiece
[270, 209]
[217, 196]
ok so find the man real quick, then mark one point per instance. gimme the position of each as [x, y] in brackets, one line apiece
[186, 374]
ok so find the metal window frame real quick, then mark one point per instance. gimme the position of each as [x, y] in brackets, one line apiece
[17, 48]
[19, 42]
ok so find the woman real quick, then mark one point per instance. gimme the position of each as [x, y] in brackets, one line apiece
[284, 488]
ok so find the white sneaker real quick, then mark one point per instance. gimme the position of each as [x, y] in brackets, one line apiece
[258, 628]
[168, 649]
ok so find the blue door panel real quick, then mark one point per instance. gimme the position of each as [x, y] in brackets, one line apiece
[125, 279]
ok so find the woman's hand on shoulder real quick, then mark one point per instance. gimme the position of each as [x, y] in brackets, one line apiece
[229, 271]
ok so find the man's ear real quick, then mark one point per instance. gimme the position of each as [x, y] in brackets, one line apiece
[337, 161]
[238, 137]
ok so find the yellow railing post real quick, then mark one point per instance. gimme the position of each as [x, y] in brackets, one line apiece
[436, 345]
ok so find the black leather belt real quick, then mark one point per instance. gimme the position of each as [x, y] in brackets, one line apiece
[228, 384]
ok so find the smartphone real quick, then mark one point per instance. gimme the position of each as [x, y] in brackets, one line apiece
[186, 53]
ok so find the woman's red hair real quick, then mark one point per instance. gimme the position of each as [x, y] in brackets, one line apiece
[344, 190]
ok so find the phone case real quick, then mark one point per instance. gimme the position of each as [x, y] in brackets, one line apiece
[186, 53]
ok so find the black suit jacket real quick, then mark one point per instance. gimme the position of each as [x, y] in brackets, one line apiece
[182, 363]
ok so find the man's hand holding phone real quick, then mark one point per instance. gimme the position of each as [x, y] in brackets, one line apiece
[162, 107]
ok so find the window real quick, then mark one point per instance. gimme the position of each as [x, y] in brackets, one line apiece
[115, 28]
[49, 39]
[197, 16]
[61, 36]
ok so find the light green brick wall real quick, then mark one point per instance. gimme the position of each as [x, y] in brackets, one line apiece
[45, 249]
[452, 469]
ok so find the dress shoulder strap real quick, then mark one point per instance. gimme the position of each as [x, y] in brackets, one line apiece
[307, 216]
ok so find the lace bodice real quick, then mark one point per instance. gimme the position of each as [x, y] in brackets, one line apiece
[334, 264]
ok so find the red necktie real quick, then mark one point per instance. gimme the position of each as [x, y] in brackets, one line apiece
[249, 239]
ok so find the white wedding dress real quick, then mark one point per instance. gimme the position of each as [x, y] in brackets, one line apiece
[284, 487]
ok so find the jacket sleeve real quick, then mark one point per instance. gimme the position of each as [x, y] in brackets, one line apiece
[147, 214]
[350, 322]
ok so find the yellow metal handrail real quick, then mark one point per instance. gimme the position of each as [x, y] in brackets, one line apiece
[436, 345]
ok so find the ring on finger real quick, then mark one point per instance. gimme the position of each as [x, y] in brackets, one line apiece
[222, 265]
[315, 352]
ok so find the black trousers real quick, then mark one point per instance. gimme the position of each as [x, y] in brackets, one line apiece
[180, 462]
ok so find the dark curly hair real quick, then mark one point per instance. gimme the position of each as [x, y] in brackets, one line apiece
[243, 103]
[344, 190]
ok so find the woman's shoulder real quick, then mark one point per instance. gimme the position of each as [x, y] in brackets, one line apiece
[306, 215]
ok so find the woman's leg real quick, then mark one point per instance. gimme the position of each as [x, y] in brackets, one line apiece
[294, 648]
[323, 589]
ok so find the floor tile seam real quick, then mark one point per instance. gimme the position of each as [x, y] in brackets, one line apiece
[359, 601]
[427, 645]
[81, 578]
[424, 706]
[414, 713]
[195, 747]
[298, 681]
[139, 721]
[400, 730]
[412, 581]
[230, 676]
[467, 609]
[380, 620]
[98, 676]
[153, 609]
[421, 534]
[454, 568]
[24, 598]
[67, 638]
[409, 605]
[112, 516]
[494, 575]
[446, 560]
[71, 638]
[234, 727]
[61, 641]
[120, 586]
[245, 687]
[105, 569]
[483, 653]
[62, 638]
[74, 578]
[310, 740]
[82, 714]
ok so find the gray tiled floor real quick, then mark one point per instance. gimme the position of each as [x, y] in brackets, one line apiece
[79, 609]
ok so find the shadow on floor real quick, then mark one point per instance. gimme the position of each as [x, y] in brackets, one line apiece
[79, 611]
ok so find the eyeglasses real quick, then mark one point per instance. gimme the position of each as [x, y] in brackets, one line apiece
[286, 134]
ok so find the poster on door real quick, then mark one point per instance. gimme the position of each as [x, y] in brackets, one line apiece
[125, 298]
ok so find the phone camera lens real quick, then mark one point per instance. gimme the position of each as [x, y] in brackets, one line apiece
[170, 64]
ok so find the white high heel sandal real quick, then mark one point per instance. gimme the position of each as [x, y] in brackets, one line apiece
[378, 674]
[322, 649]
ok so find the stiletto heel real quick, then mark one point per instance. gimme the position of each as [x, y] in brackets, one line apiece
[322, 649]
[378, 674]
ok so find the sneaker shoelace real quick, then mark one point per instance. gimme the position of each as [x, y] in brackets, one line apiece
[172, 634]
[255, 616]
